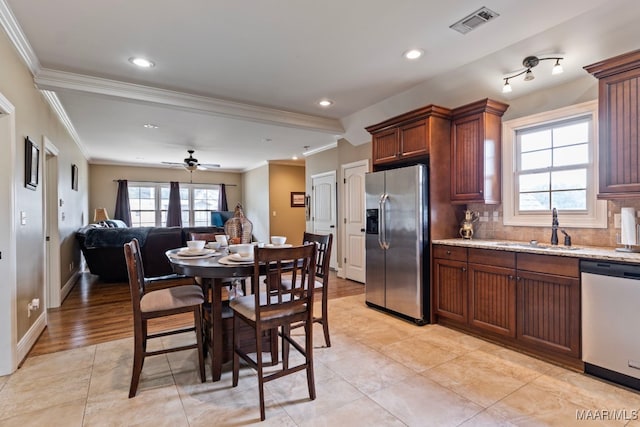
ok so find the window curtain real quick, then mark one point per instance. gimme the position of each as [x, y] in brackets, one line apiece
[222, 199]
[123, 208]
[174, 213]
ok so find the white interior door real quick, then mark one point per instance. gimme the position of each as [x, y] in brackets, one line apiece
[52, 235]
[323, 208]
[8, 315]
[354, 209]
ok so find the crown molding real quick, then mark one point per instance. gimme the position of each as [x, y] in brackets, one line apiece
[320, 149]
[17, 37]
[62, 80]
[55, 104]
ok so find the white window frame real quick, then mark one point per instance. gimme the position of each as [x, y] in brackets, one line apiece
[159, 185]
[596, 215]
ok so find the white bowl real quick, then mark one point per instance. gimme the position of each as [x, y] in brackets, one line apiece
[196, 245]
[213, 245]
[278, 240]
[222, 239]
[243, 250]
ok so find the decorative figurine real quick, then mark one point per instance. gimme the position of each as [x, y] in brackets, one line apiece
[466, 231]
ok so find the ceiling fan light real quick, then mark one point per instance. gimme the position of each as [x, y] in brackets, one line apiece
[507, 87]
[529, 76]
[557, 69]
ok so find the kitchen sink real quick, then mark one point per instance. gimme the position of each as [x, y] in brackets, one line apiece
[535, 245]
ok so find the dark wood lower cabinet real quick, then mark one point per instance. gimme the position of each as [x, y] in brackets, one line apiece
[492, 302]
[527, 301]
[549, 312]
[451, 290]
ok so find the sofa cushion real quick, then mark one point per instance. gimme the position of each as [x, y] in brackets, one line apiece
[114, 237]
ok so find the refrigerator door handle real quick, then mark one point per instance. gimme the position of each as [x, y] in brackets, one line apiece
[382, 236]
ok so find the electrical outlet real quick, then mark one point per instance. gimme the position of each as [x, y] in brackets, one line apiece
[29, 309]
[616, 220]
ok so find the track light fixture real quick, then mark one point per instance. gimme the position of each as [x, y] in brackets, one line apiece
[528, 63]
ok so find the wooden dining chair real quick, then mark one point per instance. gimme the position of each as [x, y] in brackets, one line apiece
[155, 304]
[277, 307]
[207, 237]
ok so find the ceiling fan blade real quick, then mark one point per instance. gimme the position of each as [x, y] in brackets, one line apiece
[209, 165]
[173, 164]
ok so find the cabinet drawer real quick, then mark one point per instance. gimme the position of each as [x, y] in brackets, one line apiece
[492, 257]
[450, 252]
[550, 264]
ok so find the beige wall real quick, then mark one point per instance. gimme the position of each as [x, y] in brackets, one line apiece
[34, 118]
[285, 220]
[255, 201]
[103, 189]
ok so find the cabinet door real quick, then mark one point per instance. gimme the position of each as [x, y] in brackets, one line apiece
[413, 139]
[385, 146]
[451, 289]
[467, 159]
[619, 146]
[549, 312]
[492, 299]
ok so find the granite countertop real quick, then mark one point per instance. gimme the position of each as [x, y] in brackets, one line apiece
[586, 252]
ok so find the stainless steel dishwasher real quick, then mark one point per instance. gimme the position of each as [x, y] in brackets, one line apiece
[610, 320]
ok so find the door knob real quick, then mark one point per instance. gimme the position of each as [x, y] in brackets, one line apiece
[332, 226]
[362, 230]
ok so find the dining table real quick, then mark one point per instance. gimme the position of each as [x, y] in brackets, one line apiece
[213, 268]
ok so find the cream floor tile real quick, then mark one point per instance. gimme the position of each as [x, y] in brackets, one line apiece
[28, 393]
[449, 339]
[418, 401]
[361, 412]
[221, 404]
[537, 405]
[152, 407]
[486, 419]
[3, 380]
[481, 377]
[417, 354]
[292, 393]
[371, 371]
[60, 362]
[69, 414]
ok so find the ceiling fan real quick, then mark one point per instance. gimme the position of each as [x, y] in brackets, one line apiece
[191, 163]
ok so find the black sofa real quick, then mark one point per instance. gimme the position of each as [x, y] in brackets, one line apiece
[103, 248]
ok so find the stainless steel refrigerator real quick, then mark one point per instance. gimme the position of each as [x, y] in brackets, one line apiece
[397, 241]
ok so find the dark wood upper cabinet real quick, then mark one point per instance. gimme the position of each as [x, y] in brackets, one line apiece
[476, 136]
[618, 117]
[409, 136]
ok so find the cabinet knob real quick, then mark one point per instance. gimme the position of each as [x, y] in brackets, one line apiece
[463, 268]
[448, 252]
[510, 277]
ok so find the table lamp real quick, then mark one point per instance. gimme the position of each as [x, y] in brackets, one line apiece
[100, 215]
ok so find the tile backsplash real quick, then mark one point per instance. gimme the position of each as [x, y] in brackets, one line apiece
[490, 226]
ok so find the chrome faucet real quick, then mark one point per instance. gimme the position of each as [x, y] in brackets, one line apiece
[554, 228]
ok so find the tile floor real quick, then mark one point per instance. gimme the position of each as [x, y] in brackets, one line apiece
[380, 371]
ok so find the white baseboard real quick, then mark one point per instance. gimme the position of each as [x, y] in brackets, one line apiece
[341, 273]
[69, 285]
[29, 339]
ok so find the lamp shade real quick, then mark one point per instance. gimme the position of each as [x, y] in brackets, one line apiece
[100, 214]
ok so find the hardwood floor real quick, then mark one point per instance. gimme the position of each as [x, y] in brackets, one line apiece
[95, 312]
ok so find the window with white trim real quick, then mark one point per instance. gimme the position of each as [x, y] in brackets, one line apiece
[550, 162]
[149, 203]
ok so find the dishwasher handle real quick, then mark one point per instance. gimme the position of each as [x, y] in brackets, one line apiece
[610, 269]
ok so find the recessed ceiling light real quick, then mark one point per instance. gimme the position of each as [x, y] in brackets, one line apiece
[141, 62]
[150, 126]
[294, 157]
[413, 53]
[325, 103]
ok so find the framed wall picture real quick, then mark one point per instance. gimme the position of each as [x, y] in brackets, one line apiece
[31, 164]
[74, 177]
[297, 199]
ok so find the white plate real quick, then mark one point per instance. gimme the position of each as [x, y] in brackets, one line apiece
[271, 245]
[181, 256]
[237, 257]
[186, 252]
[228, 260]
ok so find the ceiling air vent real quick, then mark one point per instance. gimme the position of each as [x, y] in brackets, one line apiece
[474, 20]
